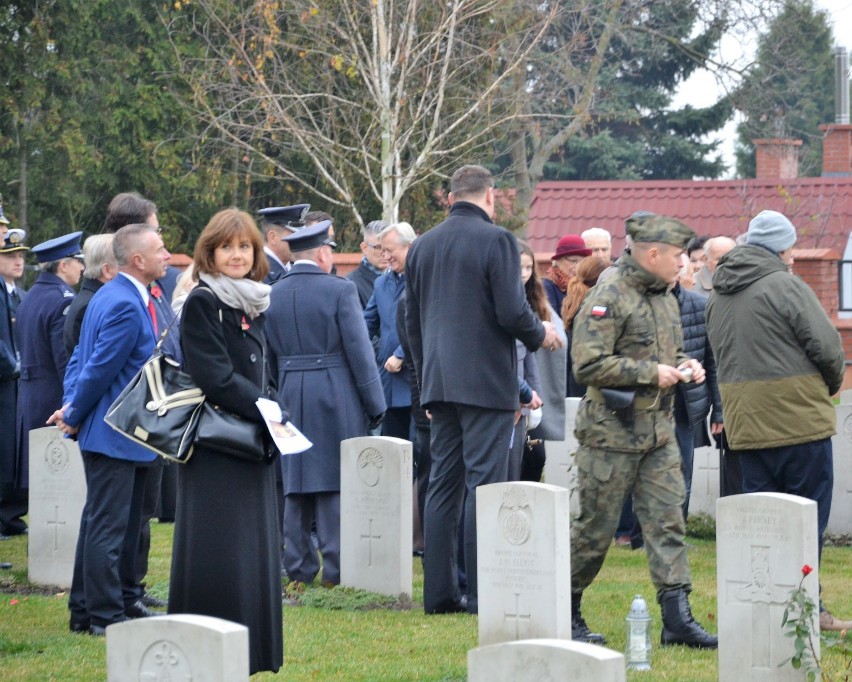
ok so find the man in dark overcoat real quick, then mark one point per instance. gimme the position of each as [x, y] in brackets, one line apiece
[327, 376]
[465, 308]
[13, 500]
[38, 336]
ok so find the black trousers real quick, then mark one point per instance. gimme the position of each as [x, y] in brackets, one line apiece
[104, 582]
[469, 448]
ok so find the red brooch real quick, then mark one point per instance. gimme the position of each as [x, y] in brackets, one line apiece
[156, 292]
[245, 326]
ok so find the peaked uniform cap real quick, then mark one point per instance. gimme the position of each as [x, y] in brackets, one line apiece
[65, 246]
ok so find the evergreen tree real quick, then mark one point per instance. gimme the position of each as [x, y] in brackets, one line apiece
[789, 91]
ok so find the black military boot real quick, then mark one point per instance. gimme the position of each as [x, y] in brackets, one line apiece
[679, 627]
[579, 630]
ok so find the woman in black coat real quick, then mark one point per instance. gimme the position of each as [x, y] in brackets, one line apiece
[226, 557]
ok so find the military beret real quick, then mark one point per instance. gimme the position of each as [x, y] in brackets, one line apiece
[649, 227]
[65, 246]
[14, 241]
[291, 217]
[310, 237]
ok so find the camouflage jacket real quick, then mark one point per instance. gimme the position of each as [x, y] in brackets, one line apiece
[624, 329]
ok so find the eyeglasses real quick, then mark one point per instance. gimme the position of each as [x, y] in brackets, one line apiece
[375, 247]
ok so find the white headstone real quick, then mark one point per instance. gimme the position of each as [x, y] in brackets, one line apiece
[177, 647]
[524, 562]
[840, 520]
[375, 514]
[763, 542]
[845, 396]
[559, 466]
[57, 495]
[705, 481]
[544, 660]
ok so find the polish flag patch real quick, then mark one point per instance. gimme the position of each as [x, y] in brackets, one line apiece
[599, 310]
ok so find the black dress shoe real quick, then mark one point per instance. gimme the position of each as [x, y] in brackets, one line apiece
[138, 610]
[97, 631]
[153, 602]
[5, 565]
[459, 606]
[78, 626]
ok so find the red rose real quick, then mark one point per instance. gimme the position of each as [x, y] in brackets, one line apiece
[806, 569]
[156, 292]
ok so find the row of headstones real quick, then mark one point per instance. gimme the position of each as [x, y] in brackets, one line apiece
[524, 554]
[559, 469]
[764, 542]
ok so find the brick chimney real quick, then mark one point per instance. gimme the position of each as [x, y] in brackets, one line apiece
[777, 158]
[836, 149]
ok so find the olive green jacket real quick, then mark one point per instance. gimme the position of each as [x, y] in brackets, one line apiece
[626, 327]
[779, 358]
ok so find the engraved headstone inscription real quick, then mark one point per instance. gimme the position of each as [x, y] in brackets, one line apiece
[375, 514]
[523, 558]
[57, 495]
[763, 540]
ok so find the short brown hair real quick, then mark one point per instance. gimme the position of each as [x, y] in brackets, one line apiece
[470, 181]
[128, 208]
[222, 228]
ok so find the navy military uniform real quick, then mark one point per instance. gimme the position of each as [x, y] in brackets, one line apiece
[39, 337]
[13, 499]
[626, 327]
[327, 377]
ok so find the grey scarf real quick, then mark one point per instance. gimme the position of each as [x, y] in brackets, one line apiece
[243, 294]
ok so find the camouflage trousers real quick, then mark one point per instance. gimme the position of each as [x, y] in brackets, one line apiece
[656, 481]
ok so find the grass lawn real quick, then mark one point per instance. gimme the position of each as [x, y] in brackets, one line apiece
[325, 643]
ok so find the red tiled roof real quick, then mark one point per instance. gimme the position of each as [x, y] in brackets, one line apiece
[820, 208]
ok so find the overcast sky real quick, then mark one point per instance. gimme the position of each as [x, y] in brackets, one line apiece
[702, 89]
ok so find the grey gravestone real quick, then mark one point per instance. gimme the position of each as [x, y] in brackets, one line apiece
[559, 466]
[524, 562]
[705, 481]
[840, 520]
[177, 647]
[57, 495]
[544, 660]
[376, 514]
[762, 542]
[845, 396]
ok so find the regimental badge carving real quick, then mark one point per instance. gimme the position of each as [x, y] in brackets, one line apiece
[847, 428]
[370, 465]
[56, 457]
[164, 662]
[515, 517]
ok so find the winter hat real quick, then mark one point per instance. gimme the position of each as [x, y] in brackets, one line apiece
[571, 245]
[771, 230]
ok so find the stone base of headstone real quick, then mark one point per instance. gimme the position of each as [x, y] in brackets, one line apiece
[56, 499]
[177, 647]
[544, 660]
[524, 562]
[763, 540]
[376, 514]
[559, 466]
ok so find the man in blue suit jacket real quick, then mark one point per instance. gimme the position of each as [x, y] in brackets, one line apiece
[117, 337]
[465, 308]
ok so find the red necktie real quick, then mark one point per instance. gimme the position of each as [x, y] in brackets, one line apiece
[153, 314]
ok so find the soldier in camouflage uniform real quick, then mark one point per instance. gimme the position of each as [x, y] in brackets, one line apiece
[627, 336]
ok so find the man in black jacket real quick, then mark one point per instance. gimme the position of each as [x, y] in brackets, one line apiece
[466, 306]
[373, 262]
